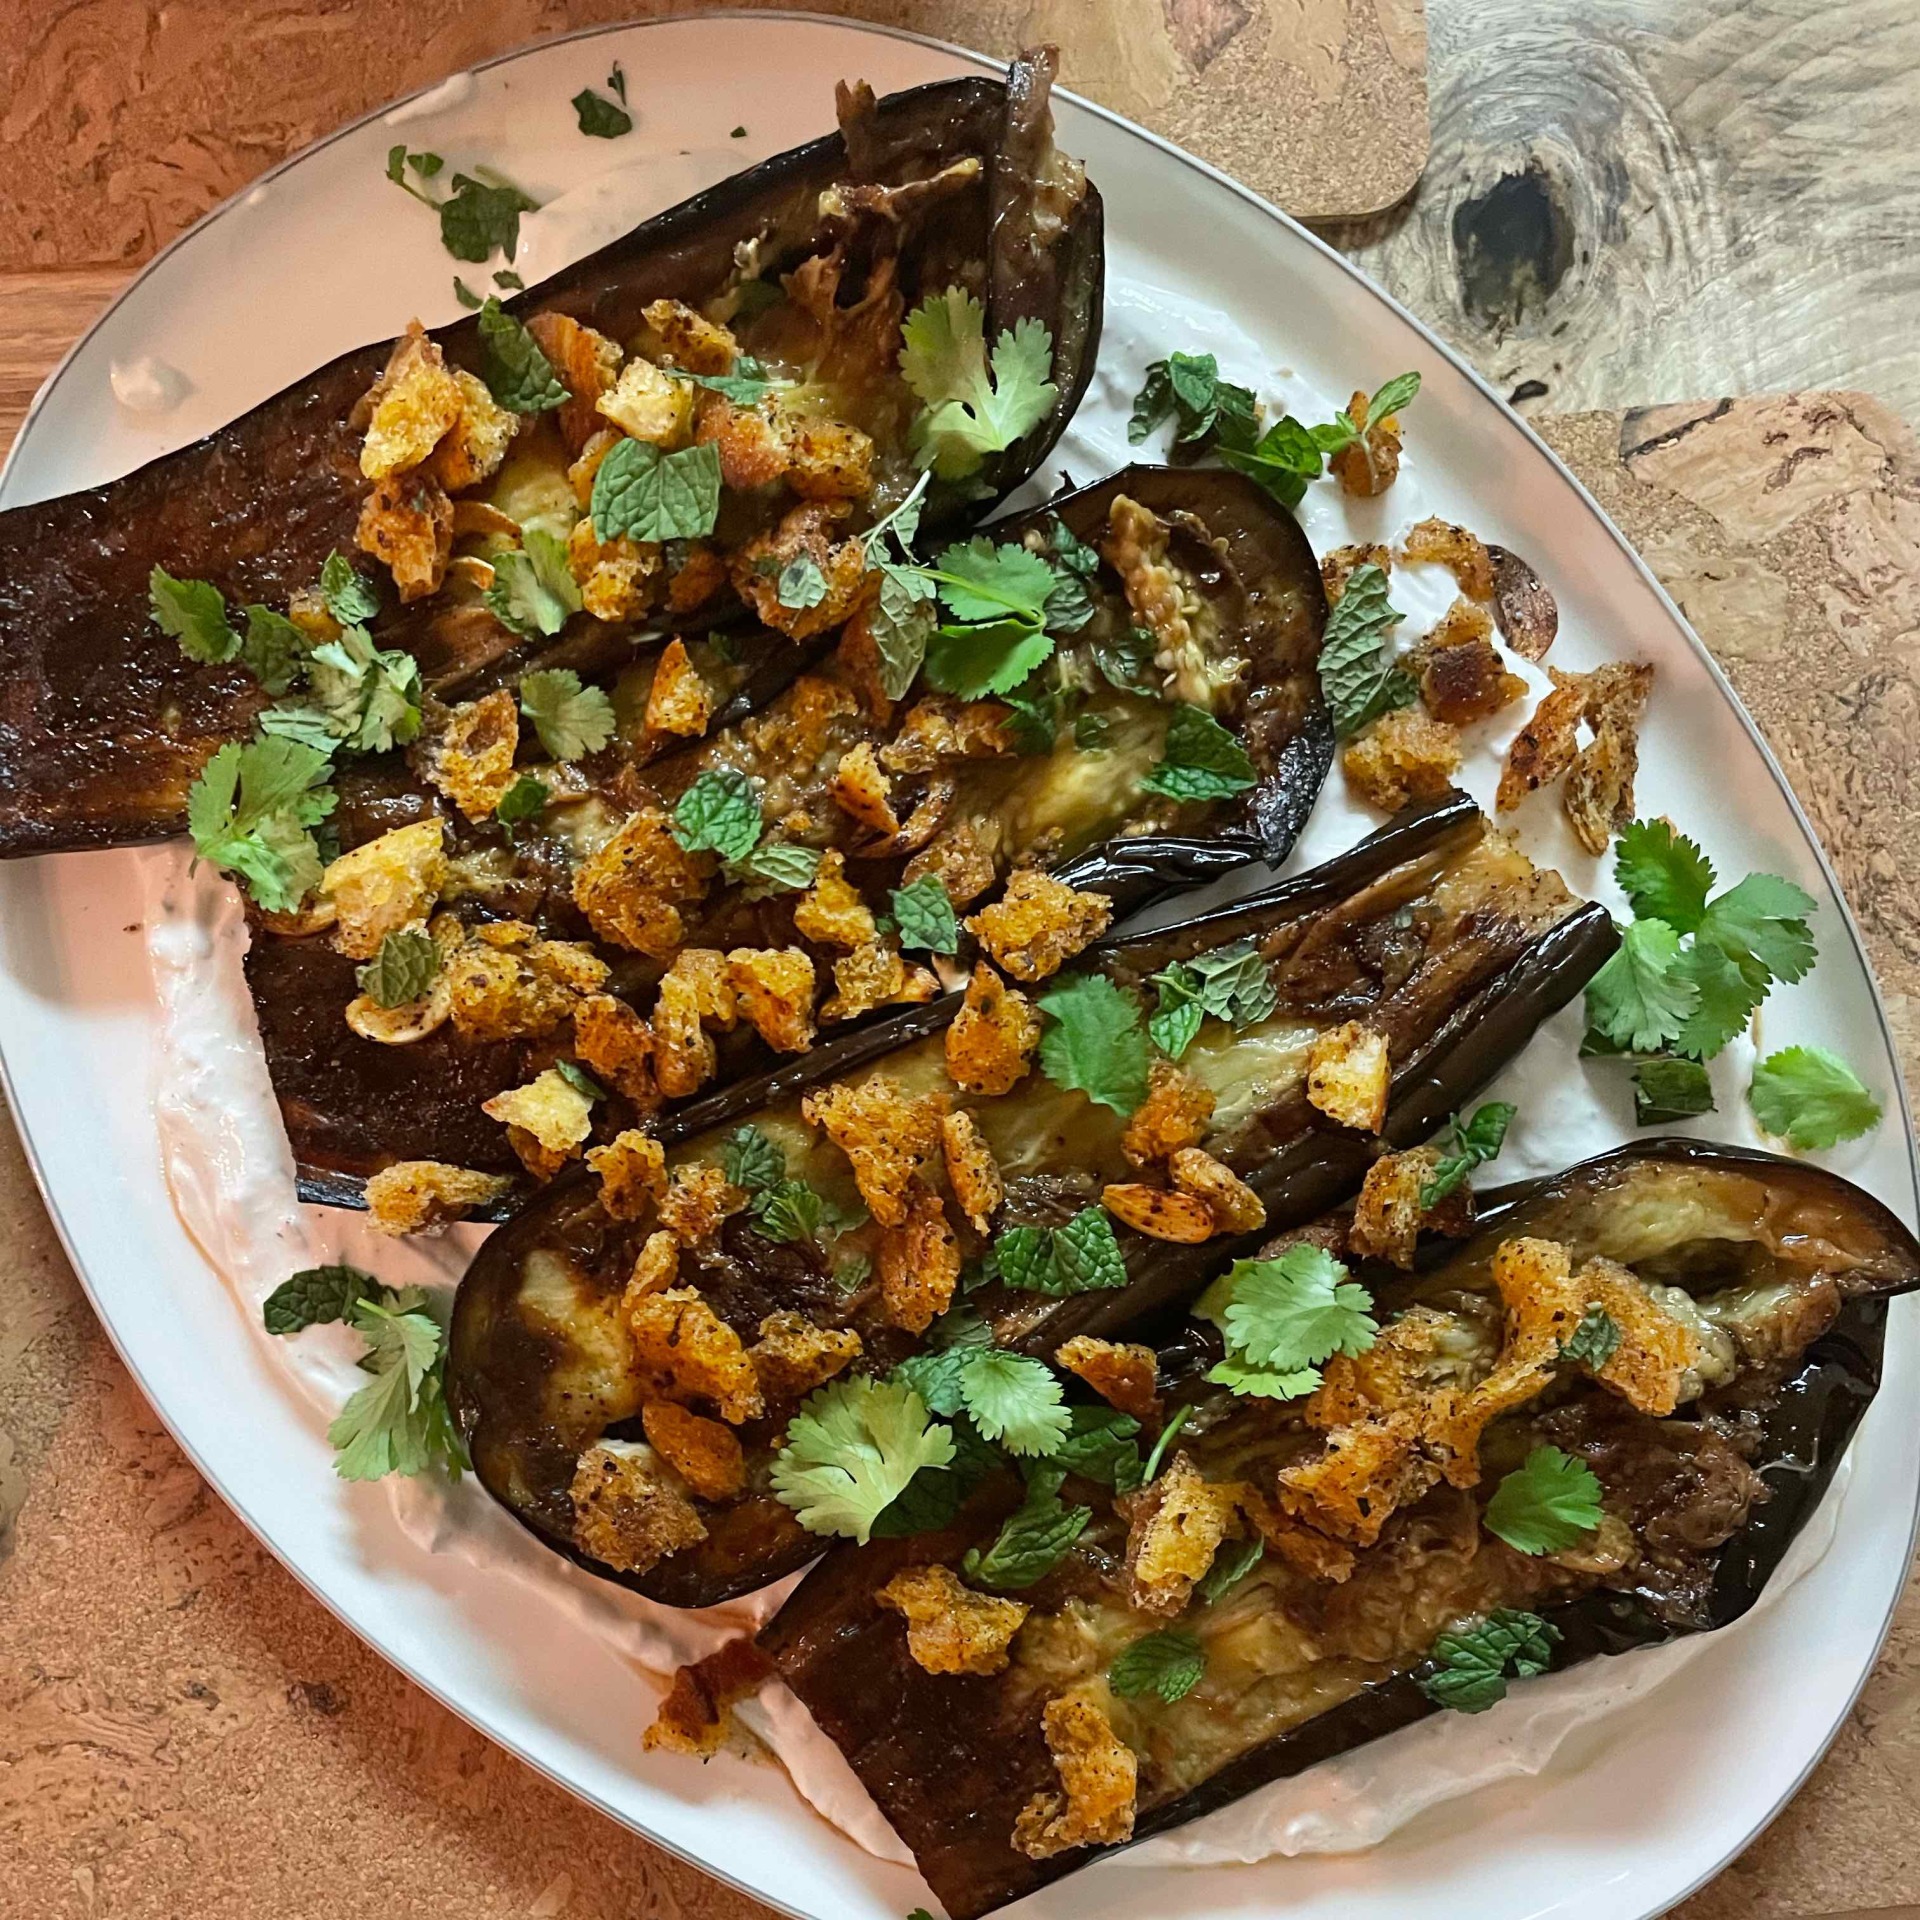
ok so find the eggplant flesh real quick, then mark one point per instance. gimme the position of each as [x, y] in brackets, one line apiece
[104, 724]
[1790, 1269]
[1256, 611]
[1420, 930]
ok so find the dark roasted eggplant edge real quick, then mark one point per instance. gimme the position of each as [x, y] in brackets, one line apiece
[1806, 1435]
[124, 782]
[1493, 1027]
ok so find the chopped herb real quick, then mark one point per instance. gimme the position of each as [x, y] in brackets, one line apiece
[1811, 1098]
[644, 494]
[852, 1450]
[1034, 1540]
[1099, 1446]
[1546, 1505]
[533, 589]
[481, 218]
[617, 82]
[1360, 683]
[193, 612]
[1164, 1445]
[1095, 1041]
[466, 295]
[788, 1213]
[1473, 1145]
[1201, 760]
[751, 1161]
[1231, 1564]
[1666, 1089]
[801, 584]
[580, 1080]
[1283, 1318]
[924, 916]
[968, 408]
[1469, 1667]
[1169, 1663]
[777, 866]
[525, 800]
[349, 594]
[571, 720]
[1230, 983]
[1125, 659]
[274, 650]
[250, 813]
[599, 117]
[399, 1421]
[317, 1295]
[405, 967]
[518, 373]
[740, 133]
[1187, 388]
[1594, 1341]
[510, 280]
[719, 813]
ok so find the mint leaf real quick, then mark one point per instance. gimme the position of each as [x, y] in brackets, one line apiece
[580, 1080]
[1095, 1041]
[480, 218]
[193, 612]
[1169, 1663]
[1546, 1505]
[1080, 1257]
[777, 866]
[788, 1213]
[525, 800]
[1594, 1341]
[1201, 760]
[1639, 1000]
[751, 1161]
[924, 917]
[1099, 1446]
[1187, 388]
[1469, 1667]
[902, 625]
[1230, 983]
[316, 1295]
[1033, 1541]
[644, 494]
[1811, 1098]
[466, 295]
[719, 813]
[1470, 1146]
[599, 118]
[1231, 1565]
[518, 374]
[570, 719]
[1359, 682]
[1393, 397]
[1666, 1090]
[1283, 460]
[405, 967]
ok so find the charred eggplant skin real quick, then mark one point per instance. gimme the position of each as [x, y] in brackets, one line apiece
[104, 724]
[905, 1730]
[499, 1370]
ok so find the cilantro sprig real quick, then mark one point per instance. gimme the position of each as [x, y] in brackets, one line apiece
[533, 590]
[1811, 1098]
[1549, 1503]
[251, 814]
[1095, 1041]
[572, 720]
[852, 1450]
[1282, 1319]
[972, 405]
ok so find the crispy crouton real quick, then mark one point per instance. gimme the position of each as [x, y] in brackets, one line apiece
[1388, 1218]
[1235, 1207]
[469, 754]
[406, 523]
[695, 992]
[1122, 1374]
[991, 1041]
[655, 1269]
[793, 1355]
[950, 1628]
[1398, 1373]
[1460, 552]
[1175, 1526]
[1656, 1353]
[803, 725]
[633, 1175]
[678, 698]
[1339, 566]
[685, 1351]
[650, 405]
[863, 792]
[415, 401]
[477, 443]
[1098, 1780]
[632, 889]
[617, 1047]
[627, 1510]
[808, 530]
[918, 1265]
[422, 1196]
[384, 885]
[941, 729]
[774, 986]
[1404, 755]
[1349, 1075]
[971, 1169]
[1547, 745]
[1039, 924]
[1305, 1549]
[587, 362]
[831, 911]
[1159, 1213]
[1359, 1478]
[689, 339]
[582, 472]
[697, 1200]
[619, 579]
[1464, 681]
[506, 983]
[874, 975]
[1368, 466]
[1463, 623]
[1598, 796]
[1175, 1115]
[701, 574]
[696, 1716]
[962, 857]
[826, 459]
[704, 1453]
[550, 1107]
[890, 1137]
[752, 449]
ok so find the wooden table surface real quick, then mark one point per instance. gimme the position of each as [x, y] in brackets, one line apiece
[1630, 202]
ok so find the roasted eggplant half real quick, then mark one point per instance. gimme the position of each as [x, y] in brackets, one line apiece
[819, 1220]
[806, 263]
[957, 794]
[1742, 1300]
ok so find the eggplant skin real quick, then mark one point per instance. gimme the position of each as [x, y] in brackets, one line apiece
[952, 1760]
[512, 1357]
[104, 724]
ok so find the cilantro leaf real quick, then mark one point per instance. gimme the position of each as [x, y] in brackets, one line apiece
[645, 494]
[1240, 1376]
[480, 218]
[1763, 919]
[249, 813]
[1479, 1141]
[982, 581]
[193, 612]
[362, 697]
[349, 594]
[1727, 995]
[967, 409]
[1359, 682]
[1666, 1089]
[778, 866]
[533, 589]
[719, 813]
[1811, 1098]
[1169, 1663]
[518, 374]
[852, 1450]
[1014, 1399]
[935, 1495]
[1200, 760]
[1285, 1317]
[1095, 1041]
[398, 1422]
[1594, 1341]
[1469, 1666]
[1099, 1446]
[274, 650]
[404, 968]
[599, 118]
[1231, 1564]
[1663, 873]
[570, 719]
[1034, 1540]
[1638, 999]
[316, 1295]
[1546, 1505]
[525, 800]
[924, 917]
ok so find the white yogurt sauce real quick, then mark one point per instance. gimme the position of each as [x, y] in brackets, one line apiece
[231, 1174]
[454, 91]
[147, 385]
